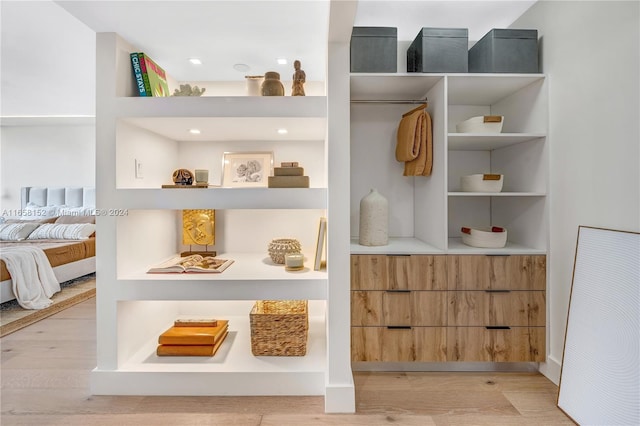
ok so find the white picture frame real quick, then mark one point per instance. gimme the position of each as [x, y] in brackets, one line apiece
[249, 169]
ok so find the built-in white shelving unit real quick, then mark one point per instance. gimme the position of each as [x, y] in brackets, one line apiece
[429, 211]
[134, 307]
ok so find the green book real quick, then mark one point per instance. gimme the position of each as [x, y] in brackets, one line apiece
[158, 85]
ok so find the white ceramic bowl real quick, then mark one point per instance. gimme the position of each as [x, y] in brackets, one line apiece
[478, 125]
[494, 237]
[482, 183]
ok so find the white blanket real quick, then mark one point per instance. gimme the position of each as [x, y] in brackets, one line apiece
[32, 276]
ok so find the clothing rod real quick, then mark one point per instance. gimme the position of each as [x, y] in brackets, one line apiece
[382, 101]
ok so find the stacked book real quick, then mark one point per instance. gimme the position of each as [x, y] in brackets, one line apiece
[288, 175]
[193, 338]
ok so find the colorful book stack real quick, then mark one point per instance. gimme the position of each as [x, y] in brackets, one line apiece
[151, 79]
[288, 175]
[193, 338]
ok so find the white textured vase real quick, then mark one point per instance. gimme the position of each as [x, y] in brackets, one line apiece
[254, 82]
[374, 220]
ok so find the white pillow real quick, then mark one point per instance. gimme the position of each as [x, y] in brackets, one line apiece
[57, 231]
[16, 231]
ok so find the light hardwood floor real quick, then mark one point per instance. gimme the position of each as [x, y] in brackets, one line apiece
[45, 381]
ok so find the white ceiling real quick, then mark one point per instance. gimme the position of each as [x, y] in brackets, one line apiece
[220, 33]
[256, 33]
[56, 40]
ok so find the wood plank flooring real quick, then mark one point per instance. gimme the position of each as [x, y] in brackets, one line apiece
[45, 371]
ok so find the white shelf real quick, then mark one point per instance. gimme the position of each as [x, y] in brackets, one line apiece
[385, 86]
[484, 142]
[486, 89]
[396, 246]
[221, 198]
[252, 276]
[215, 106]
[47, 120]
[233, 370]
[456, 246]
[496, 194]
[234, 128]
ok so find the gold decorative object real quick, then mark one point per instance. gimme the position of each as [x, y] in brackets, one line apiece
[278, 248]
[299, 78]
[198, 228]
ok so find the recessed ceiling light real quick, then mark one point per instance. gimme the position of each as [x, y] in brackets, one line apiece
[282, 61]
[241, 67]
[194, 131]
[195, 61]
[283, 131]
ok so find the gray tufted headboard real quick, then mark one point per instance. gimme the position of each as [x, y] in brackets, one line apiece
[71, 196]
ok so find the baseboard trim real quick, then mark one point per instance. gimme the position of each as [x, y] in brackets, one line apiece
[340, 398]
[446, 366]
[551, 369]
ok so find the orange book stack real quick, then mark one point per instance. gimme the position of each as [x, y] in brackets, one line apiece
[189, 338]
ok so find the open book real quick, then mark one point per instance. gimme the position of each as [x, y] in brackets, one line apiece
[191, 264]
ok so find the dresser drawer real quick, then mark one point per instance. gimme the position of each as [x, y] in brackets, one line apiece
[398, 308]
[479, 272]
[489, 308]
[398, 344]
[486, 344]
[397, 272]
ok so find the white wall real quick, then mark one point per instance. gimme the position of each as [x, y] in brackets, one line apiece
[53, 73]
[50, 74]
[590, 50]
[158, 156]
[45, 156]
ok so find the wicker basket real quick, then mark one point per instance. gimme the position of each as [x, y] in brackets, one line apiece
[279, 327]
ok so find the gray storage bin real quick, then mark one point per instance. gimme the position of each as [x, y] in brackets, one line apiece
[505, 50]
[374, 49]
[439, 50]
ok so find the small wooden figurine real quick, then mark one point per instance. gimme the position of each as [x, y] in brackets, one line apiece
[299, 78]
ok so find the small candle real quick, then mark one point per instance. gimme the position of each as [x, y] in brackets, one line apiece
[294, 261]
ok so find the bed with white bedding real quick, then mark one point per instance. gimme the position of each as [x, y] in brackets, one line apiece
[61, 219]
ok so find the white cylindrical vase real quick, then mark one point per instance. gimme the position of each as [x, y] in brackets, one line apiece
[374, 220]
[254, 82]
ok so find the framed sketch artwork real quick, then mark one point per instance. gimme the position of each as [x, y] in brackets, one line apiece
[246, 169]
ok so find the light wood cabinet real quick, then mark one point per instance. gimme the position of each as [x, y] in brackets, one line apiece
[398, 344]
[478, 272]
[494, 308]
[398, 308]
[496, 344]
[482, 287]
[492, 311]
[398, 272]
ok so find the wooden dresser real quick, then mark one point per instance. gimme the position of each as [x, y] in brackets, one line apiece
[471, 308]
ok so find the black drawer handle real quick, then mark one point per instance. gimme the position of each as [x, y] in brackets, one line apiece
[497, 327]
[497, 291]
[398, 255]
[398, 291]
[399, 327]
[497, 255]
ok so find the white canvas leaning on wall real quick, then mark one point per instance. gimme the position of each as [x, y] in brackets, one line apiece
[600, 378]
